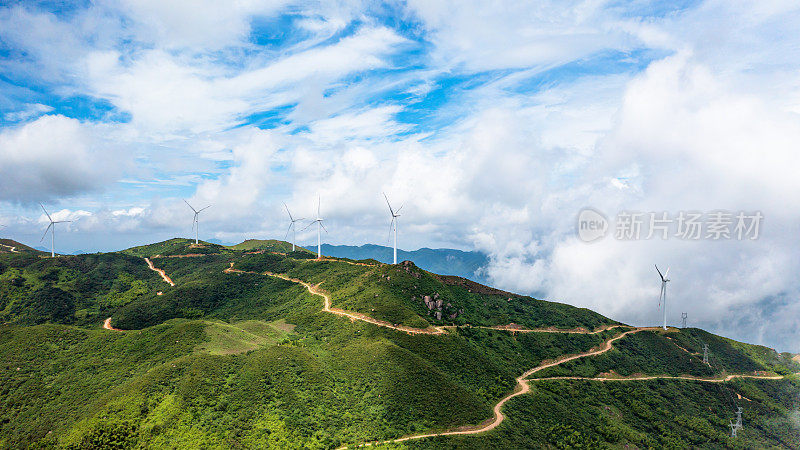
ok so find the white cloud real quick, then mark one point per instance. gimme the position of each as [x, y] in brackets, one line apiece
[53, 157]
[710, 123]
[205, 24]
[28, 111]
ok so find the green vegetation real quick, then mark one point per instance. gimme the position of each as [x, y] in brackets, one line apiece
[246, 360]
[442, 260]
[81, 290]
[240, 337]
[395, 294]
[642, 414]
[269, 245]
[7, 244]
[177, 246]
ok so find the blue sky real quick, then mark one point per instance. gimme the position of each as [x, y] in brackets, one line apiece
[494, 123]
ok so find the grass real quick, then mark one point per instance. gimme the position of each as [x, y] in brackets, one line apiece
[176, 246]
[240, 337]
[248, 361]
[271, 245]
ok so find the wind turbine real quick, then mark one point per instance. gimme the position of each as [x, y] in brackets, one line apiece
[393, 224]
[320, 227]
[196, 221]
[663, 295]
[53, 232]
[292, 226]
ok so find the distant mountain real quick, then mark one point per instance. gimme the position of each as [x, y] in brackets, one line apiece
[220, 242]
[444, 261]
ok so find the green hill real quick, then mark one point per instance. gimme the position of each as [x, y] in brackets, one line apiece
[443, 261]
[12, 246]
[175, 247]
[270, 245]
[239, 353]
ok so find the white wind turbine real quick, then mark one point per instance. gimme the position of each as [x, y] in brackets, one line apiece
[320, 227]
[292, 227]
[663, 295]
[196, 221]
[52, 229]
[393, 224]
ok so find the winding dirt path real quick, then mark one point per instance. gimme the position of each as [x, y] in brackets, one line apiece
[515, 329]
[432, 330]
[523, 387]
[523, 383]
[160, 272]
[315, 290]
[10, 248]
[667, 377]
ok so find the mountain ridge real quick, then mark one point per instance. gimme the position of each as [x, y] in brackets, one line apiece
[444, 261]
[209, 346]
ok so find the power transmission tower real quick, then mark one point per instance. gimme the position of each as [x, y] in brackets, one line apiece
[683, 318]
[705, 353]
[733, 429]
[739, 417]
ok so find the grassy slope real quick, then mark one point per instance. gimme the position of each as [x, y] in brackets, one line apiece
[642, 414]
[395, 294]
[176, 246]
[18, 247]
[78, 290]
[271, 245]
[258, 364]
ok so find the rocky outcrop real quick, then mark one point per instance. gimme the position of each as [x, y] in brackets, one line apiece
[438, 308]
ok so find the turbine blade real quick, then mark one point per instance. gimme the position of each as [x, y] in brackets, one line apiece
[288, 230]
[45, 231]
[398, 209]
[290, 213]
[659, 273]
[391, 224]
[45, 211]
[323, 226]
[309, 224]
[319, 202]
[387, 202]
[209, 206]
[190, 206]
[666, 274]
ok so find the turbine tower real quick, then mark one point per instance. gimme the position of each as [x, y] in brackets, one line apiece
[291, 226]
[196, 221]
[393, 224]
[663, 295]
[52, 229]
[320, 227]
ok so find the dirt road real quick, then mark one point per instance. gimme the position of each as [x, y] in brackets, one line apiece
[523, 387]
[160, 272]
[107, 325]
[433, 330]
